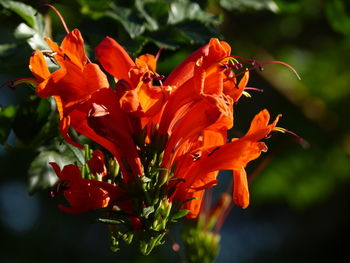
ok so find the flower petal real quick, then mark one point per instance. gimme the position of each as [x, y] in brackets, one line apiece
[73, 47]
[114, 59]
[38, 66]
[240, 188]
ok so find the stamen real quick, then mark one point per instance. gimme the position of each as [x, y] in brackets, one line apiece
[147, 77]
[255, 89]
[196, 157]
[244, 93]
[60, 16]
[46, 52]
[159, 78]
[12, 83]
[299, 139]
[284, 64]
[159, 52]
[255, 65]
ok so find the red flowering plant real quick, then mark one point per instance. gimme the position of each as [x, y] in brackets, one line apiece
[161, 140]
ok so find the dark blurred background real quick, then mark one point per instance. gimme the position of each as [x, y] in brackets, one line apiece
[299, 208]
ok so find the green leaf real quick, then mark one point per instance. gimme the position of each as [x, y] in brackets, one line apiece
[6, 49]
[34, 29]
[36, 121]
[154, 12]
[7, 114]
[41, 176]
[135, 46]
[244, 5]
[186, 10]
[338, 16]
[181, 213]
[111, 221]
[130, 22]
[195, 31]
[25, 11]
[167, 37]
[140, 5]
[147, 211]
[40, 173]
[78, 153]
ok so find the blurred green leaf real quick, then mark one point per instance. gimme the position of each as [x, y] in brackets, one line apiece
[195, 31]
[5, 49]
[29, 14]
[36, 121]
[34, 30]
[179, 214]
[154, 12]
[41, 176]
[244, 5]
[297, 180]
[129, 20]
[135, 46]
[338, 16]
[77, 153]
[7, 114]
[182, 10]
[167, 24]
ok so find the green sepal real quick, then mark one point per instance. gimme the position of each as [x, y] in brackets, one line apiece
[179, 214]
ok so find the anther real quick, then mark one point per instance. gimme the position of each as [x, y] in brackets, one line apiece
[160, 77]
[195, 157]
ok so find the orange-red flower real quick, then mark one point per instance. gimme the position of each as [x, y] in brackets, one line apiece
[134, 80]
[84, 195]
[196, 119]
[191, 113]
[81, 90]
[233, 156]
[73, 82]
[97, 164]
[203, 101]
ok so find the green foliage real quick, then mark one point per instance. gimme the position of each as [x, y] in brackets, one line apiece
[245, 5]
[316, 108]
[7, 115]
[36, 121]
[33, 31]
[338, 14]
[201, 244]
[41, 176]
[164, 23]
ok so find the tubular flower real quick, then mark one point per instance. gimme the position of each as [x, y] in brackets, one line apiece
[196, 118]
[81, 90]
[233, 156]
[75, 80]
[167, 141]
[84, 195]
[134, 80]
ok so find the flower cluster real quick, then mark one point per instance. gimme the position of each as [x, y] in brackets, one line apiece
[165, 139]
